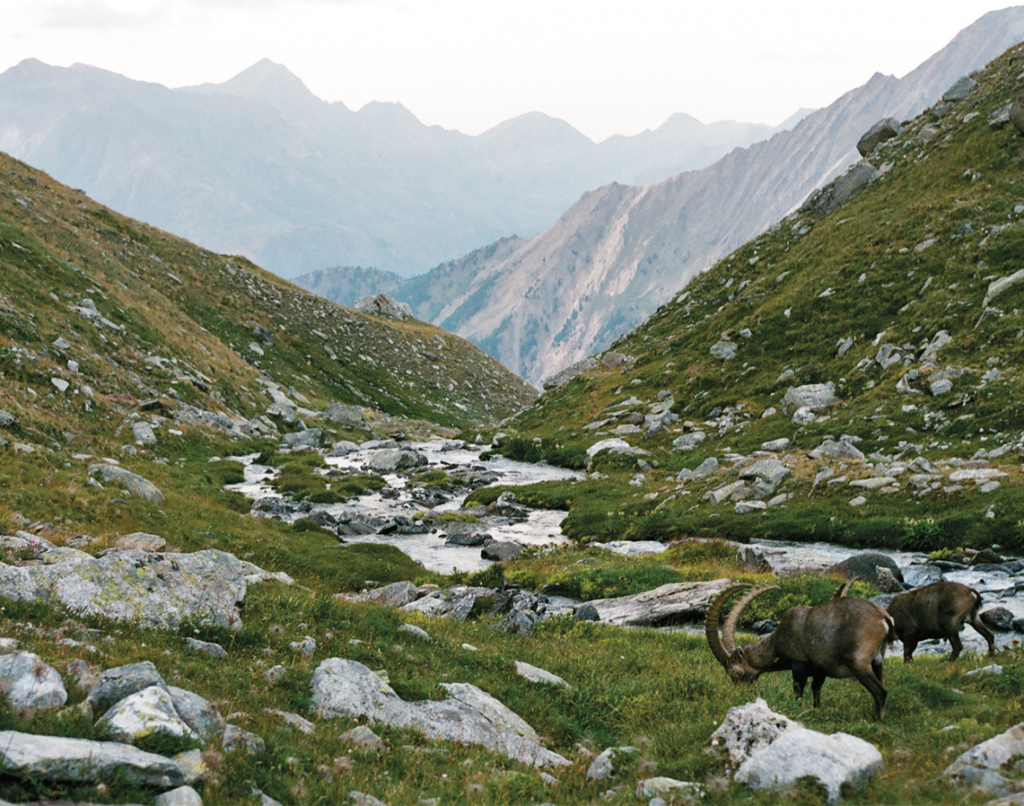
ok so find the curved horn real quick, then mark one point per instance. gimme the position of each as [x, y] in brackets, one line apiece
[720, 652]
[842, 590]
[734, 615]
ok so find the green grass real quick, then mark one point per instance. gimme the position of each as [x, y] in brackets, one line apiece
[662, 692]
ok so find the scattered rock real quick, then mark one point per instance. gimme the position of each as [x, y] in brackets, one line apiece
[839, 191]
[535, 675]
[135, 484]
[960, 90]
[383, 305]
[345, 416]
[814, 396]
[604, 766]
[30, 684]
[347, 689]
[748, 729]
[883, 130]
[146, 713]
[838, 760]
[983, 762]
[54, 758]
[865, 566]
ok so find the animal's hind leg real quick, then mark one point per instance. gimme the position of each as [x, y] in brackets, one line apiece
[816, 683]
[957, 644]
[874, 685]
[985, 633]
[800, 675]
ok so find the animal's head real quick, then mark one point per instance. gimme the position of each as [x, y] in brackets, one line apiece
[735, 661]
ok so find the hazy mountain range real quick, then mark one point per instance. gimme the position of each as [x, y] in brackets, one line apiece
[543, 303]
[261, 167]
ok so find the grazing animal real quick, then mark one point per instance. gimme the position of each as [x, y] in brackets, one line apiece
[841, 637]
[939, 610]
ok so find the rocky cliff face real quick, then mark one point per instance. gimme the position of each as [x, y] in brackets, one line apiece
[543, 303]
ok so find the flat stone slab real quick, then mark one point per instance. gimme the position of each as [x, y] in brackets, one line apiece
[55, 758]
[348, 689]
[676, 600]
[876, 483]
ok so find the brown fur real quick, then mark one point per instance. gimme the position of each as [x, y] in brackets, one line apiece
[939, 610]
[842, 637]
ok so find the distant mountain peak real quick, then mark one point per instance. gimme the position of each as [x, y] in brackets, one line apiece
[273, 84]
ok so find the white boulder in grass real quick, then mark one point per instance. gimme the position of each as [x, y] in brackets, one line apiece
[834, 760]
[345, 688]
[146, 713]
[29, 683]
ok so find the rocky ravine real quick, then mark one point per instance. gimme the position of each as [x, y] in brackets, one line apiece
[542, 303]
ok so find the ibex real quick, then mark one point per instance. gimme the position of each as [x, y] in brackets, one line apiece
[839, 638]
[939, 610]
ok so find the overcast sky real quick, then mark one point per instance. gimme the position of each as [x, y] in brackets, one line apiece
[605, 66]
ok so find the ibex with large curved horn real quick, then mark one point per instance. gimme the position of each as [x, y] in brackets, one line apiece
[841, 637]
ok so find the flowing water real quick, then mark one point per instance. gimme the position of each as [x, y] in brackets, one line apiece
[542, 528]
[429, 549]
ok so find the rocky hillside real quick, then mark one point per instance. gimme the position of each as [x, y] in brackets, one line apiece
[101, 313]
[854, 373]
[259, 166]
[543, 303]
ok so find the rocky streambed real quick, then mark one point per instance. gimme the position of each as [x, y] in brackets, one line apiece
[395, 515]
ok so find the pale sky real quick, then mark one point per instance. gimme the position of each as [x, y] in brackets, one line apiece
[605, 66]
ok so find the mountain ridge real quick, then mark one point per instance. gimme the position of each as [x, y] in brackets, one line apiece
[260, 166]
[601, 269]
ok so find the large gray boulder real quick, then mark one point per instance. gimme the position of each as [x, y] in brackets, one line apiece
[960, 90]
[837, 760]
[198, 713]
[347, 689]
[770, 471]
[54, 758]
[30, 684]
[345, 416]
[567, 374]
[748, 729]
[145, 713]
[141, 587]
[688, 441]
[392, 460]
[604, 766]
[866, 566]
[397, 594]
[310, 438]
[143, 434]
[843, 451]
[997, 287]
[132, 482]
[123, 681]
[981, 764]
[383, 305]
[883, 130]
[839, 191]
[813, 396]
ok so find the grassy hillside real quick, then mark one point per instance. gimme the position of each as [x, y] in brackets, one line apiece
[661, 692]
[221, 322]
[909, 262]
